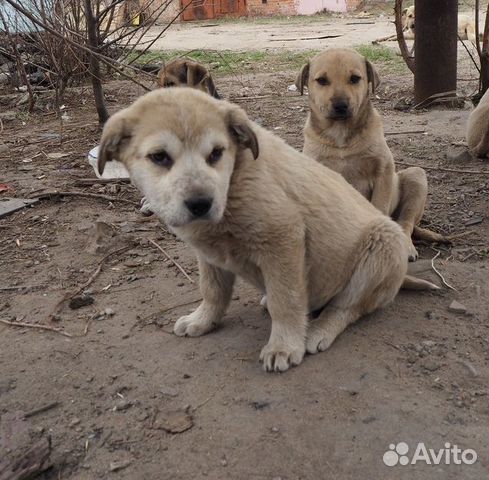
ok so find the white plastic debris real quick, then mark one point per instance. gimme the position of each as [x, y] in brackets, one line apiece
[292, 88]
[111, 170]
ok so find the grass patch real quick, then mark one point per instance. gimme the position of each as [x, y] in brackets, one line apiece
[383, 56]
[226, 62]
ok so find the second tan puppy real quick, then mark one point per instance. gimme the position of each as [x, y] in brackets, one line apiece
[465, 25]
[478, 128]
[252, 206]
[186, 72]
[344, 132]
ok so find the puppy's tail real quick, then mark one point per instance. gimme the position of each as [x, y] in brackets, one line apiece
[424, 234]
[414, 283]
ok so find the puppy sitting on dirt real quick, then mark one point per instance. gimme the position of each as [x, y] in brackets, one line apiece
[184, 72]
[252, 206]
[478, 128]
[344, 132]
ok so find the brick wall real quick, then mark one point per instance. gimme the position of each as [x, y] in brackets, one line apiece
[271, 7]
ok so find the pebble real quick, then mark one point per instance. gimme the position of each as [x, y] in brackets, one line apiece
[81, 301]
[459, 154]
[123, 405]
[119, 465]
[430, 365]
[75, 421]
[457, 307]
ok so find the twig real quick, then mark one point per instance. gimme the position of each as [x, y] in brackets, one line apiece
[99, 181]
[37, 411]
[40, 327]
[172, 260]
[90, 280]
[438, 273]
[454, 170]
[85, 194]
[21, 287]
[406, 132]
[201, 404]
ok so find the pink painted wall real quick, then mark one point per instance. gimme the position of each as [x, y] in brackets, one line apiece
[307, 7]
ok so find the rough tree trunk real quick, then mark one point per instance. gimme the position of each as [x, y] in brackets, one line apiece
[95, 73]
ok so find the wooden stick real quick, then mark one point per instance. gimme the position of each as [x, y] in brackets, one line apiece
[172, 260]
[407, 132]
[47, 407]
[85, 194]
[40, 327]
[99, 181]
[454, 170]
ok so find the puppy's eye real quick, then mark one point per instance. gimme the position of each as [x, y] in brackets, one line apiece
[322, 81]
[355, 79]
[215, 155]
[162, 159]
[169, 84]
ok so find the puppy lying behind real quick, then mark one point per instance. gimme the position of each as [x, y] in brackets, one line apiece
[465, 25]
[344, 132]
[478, 128]
[185, 72]
[251, 206]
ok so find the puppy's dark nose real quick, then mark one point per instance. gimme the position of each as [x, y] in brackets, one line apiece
[198, 206]
[340, 108]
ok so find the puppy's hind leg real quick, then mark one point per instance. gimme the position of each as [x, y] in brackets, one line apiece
[216, 286]
[413, 190]
[377, 277]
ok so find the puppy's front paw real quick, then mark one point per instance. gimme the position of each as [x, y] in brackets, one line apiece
[319, 339]
[193, 325]
[278, 357]
[146, 209]
[413, 253]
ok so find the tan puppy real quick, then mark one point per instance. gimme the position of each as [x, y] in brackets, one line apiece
[344, 132]
[185, 72]
[478, 128]
[252, 206]
[465, 25]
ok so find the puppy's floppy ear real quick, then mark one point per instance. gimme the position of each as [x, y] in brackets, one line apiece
[115, 136]
[211, 88]
[404, 11]
[241, 131]
[196, 73]
[302, 78]
[372, 76]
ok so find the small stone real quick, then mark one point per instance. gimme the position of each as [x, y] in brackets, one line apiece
[109, 312]
[224, 462]
[430, 365]
[122, 405]
[457, 307]
[75, 421]
[169, 392]
[459, 154]
[260, 405]
[3, 148]
[119, 465]
[81, 301]
[275, 429]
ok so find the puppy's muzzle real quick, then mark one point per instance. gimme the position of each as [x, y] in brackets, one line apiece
[198, 206]
[339, 110]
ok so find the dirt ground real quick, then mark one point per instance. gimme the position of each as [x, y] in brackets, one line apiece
[137, 402]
